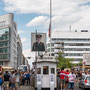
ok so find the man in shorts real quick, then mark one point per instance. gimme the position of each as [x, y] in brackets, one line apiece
[62, 77]
[6, 80]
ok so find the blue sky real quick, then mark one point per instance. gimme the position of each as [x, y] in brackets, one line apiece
[34, 14]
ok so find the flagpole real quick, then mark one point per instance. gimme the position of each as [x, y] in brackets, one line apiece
[50, 25]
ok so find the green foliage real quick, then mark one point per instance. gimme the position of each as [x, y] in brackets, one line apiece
[63, 62]
[80, 63]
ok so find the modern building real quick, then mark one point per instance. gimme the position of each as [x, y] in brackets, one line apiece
[23, 62]
[73, 44]
[19, 51]
[8, 41]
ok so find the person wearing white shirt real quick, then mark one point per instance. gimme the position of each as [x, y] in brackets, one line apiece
[72, 79]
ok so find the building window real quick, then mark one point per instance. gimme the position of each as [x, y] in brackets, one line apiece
[52, 49]
[52, 70]
[2, 23]
[4, 31]
[4, 50]
[4, 56]
[52, 44]
[52, 54]
[38, 70]
[46, 70]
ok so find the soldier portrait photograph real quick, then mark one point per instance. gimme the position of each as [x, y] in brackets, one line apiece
[38, 45]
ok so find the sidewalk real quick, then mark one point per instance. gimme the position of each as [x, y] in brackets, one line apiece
[26, 88]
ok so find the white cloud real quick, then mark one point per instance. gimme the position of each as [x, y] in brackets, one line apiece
[42, 6]
[37, 21]
[28, 53]
[64, 12]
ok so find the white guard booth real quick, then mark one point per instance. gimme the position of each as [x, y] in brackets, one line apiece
[46, 78]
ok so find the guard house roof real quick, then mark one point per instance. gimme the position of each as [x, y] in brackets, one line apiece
[46, 58]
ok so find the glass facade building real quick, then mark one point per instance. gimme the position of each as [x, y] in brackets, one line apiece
[4, 44]
[8, 41]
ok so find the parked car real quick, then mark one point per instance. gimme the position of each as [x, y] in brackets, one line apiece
[85, 82]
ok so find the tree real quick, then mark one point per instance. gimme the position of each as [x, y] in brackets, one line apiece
[80, 63]
[63, 62]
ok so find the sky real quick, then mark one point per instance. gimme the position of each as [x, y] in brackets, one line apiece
[32, 15]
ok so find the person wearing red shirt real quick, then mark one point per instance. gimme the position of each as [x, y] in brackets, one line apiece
[62, 77]
[67, 79]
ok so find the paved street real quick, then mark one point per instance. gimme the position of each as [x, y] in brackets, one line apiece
[26, 88]
[30, 88]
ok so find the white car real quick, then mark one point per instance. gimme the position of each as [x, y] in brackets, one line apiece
[85, 82]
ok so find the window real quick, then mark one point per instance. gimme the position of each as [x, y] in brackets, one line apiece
[1, 50]
[52, 44]
[4, 31]
[1, 63]
[88, 78]
[52, 49]
[5, 56]
[4, 50]
[5, 44]
[5, 37]
[52, 54]
[2, 23]
[45, 70]
[38, 70]
[52, 70]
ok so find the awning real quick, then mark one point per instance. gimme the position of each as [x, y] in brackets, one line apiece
[6, 67]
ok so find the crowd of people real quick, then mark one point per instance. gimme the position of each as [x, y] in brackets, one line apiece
[11, 80]
[69, 77]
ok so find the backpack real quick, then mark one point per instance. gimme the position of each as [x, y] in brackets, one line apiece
[1, 81]
[27, 75]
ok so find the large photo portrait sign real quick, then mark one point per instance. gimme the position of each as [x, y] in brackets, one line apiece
[38, 41]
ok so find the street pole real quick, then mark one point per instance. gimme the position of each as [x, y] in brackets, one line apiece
[36, 60]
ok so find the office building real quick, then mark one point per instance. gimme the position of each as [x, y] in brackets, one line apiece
[19, 51]
[73, 44]
[8, 41]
